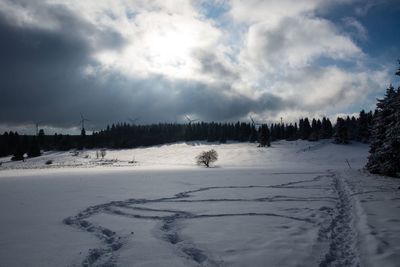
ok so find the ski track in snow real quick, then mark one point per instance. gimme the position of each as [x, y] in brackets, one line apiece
[337, 232]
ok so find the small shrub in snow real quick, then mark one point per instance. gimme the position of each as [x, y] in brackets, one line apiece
[17, 157]
[103, 153]
[18, 154]
[207, 157]
[49, 162]
[133, 161]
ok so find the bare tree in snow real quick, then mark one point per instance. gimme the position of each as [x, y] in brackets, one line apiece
[207, 157]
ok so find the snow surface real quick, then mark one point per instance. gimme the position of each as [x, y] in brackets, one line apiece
[293, 204]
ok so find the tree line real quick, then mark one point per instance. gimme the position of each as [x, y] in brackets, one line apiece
[124, 135]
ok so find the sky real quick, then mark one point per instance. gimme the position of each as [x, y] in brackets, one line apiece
[213, 60]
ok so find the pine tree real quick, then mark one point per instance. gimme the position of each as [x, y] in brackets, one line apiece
[18, 153]
[253, 135]
[291, 132]
[363, 124]
[385, 135]
[352, 130]
[314, 136]
[341, 135]
[306, 129]
[34, 149]
[327, 129]
[264, 136]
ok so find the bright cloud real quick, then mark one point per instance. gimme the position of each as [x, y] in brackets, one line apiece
[246, 53]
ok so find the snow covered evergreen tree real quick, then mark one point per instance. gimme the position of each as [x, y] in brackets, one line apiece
[385, 135]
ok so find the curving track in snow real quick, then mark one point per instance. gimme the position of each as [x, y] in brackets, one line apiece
[335, 223]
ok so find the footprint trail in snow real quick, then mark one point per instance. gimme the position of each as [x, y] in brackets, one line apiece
[329, 212]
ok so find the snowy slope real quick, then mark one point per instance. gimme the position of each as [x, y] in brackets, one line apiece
[294, 204]
[282, 154]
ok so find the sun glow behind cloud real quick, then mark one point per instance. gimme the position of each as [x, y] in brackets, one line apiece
[162, 43]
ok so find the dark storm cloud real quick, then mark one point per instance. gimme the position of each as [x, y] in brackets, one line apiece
[212, 103]
[42, 80]
[42, 68]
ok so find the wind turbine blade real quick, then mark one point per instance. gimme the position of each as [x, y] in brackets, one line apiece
[133, 121]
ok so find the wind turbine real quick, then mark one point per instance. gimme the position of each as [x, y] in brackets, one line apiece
[256, 127]
[254, 123]
[37, 127]
[82, 122]
[133, 121]
[190, 120]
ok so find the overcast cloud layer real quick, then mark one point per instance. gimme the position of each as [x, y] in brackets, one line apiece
[161, 59]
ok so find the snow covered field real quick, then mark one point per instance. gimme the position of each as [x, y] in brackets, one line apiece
[294, 204]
